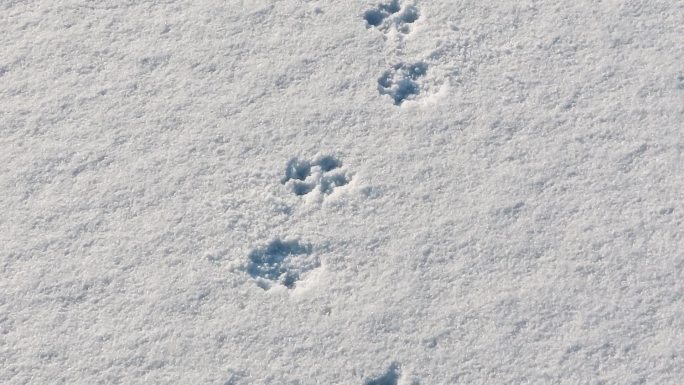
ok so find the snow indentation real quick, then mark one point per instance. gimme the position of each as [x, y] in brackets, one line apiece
[281, 262]
[323, 174]
[387, 15]
[401, 82]
[391, 377]
[374, 17]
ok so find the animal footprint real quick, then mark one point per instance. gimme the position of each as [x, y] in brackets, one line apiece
[282, 262]
[402, 81]
[323, 175]
[390, 377]
[392, 14]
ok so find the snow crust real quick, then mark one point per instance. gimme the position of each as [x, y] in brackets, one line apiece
[341, 192]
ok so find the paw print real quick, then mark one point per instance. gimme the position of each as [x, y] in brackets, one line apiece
[391, 15]
[402, 81]
[281, 262]
[322, 175]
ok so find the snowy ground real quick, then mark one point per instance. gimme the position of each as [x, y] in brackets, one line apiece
[341, 192]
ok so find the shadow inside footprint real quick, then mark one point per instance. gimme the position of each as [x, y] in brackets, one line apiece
[416, 70]
[329, 182]
[324, 173]
[391, 377]
[410, 15]
[392, 14]
[297, 169]
[400, 82]
[391, 7]
[374, 17]
[328, 163]
[302, 188]
[273, 263]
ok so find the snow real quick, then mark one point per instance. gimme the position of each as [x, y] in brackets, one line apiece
[341, 192]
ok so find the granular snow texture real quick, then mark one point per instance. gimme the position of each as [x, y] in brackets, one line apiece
[341, 192]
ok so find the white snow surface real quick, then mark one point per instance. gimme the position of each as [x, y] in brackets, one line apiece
[341, 192]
